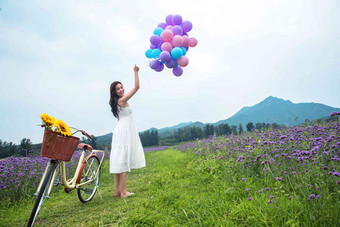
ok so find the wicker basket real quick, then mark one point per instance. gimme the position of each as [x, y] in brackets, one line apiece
[56, 146]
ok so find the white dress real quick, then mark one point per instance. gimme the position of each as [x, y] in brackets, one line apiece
[126, 149]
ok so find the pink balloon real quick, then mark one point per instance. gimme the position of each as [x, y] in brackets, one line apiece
[166, 35]
[167, 46]
[192, 42]
[183, 61]
[168, 27]
[177, 41]
[185, 40]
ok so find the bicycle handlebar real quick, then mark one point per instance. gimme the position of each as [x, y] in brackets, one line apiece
[78, 130]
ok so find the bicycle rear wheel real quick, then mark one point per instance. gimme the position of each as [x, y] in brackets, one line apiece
[43, 192]
[89, 171]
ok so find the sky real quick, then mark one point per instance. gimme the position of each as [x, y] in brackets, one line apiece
[60, 57]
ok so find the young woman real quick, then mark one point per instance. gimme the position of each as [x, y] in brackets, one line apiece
[126, 150]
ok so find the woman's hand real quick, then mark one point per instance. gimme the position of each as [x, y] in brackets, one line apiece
[136, 69]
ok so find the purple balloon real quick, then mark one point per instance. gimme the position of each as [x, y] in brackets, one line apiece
[171, 63]
[168, 19]
[154, 64]
[177, 20]
[186, 48]
[186, 26]
[160, 67]
[177, 71]
[162, 25]
[177, 30]
[155, 40]
[165, 56]
[153, 47]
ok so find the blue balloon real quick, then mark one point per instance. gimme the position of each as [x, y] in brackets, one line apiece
[176, 53]
[148, 53]
[158, 31]
[183, 50]
[155, 53]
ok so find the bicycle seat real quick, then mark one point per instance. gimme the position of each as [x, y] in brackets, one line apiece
[85, 146]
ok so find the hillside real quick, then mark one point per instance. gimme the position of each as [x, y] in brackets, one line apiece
[270, 110]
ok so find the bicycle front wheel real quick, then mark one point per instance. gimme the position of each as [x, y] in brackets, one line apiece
[43, 192]
[90, 172]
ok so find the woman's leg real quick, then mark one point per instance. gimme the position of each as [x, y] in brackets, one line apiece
[117, 185]
[123, 192]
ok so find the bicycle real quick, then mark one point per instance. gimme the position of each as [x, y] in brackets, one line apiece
[85, 179]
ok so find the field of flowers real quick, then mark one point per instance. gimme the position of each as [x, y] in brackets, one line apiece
[20, 176]
[291, 173]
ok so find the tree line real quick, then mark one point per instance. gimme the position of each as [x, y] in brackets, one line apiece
[151, 138]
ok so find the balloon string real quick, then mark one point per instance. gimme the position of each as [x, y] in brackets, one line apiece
[144, 67]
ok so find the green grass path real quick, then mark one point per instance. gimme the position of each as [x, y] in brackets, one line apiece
[166, 194]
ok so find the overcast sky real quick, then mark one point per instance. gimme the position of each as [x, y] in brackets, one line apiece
[60, 57]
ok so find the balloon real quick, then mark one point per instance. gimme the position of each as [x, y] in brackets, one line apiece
[192, 42]
[177, 30]
[165, 56]
[185, 40]
[167, 46]
[162, 25]
[183, 61]
[158, 31]
[166, 35]
[177, 20]
[176, 53]
[160, 67]
[155, 40]
[155, 53]
[170, 43]
[177, 71]
[183, 50]
[186, 26]
[148, 53]
[154, 64]
[177, 41]
[171, 63]
[168, 19]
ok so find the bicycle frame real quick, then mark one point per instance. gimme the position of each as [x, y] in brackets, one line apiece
[71, 184]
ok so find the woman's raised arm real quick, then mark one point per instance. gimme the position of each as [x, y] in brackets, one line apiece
[123, 100]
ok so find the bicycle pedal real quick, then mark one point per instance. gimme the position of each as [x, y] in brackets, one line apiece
[88, 191]
[56, 182]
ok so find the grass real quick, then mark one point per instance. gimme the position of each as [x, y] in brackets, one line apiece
[171, 191]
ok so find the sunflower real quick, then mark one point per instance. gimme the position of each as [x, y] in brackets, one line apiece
[62, 128]
[47, 119]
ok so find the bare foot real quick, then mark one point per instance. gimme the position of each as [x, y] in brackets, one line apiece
[116, 194]
[124, 195]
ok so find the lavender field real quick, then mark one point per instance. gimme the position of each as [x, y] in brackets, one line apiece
[293, 172]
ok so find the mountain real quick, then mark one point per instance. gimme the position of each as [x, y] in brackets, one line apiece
[270, 110]
[281, 111]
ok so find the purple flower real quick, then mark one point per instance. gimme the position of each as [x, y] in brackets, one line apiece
[318, 196]
[260, 191]
[249, 198]
[312, 196]
[269, 202]
[243, 179]
[267, 189]
[278, 178]
[290, 198]
[247, 189]
[271, 197]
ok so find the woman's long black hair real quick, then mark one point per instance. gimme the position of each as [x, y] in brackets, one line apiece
[114, 98]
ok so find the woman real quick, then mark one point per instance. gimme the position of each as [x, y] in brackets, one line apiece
[126, 150]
